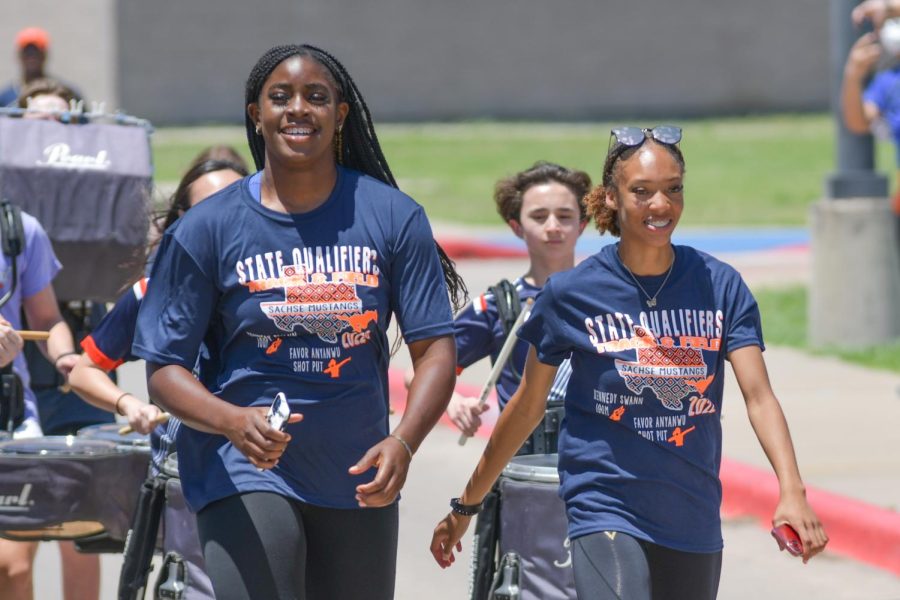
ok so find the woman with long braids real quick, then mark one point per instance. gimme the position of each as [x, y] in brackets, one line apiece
[647, 326]
[290, 279]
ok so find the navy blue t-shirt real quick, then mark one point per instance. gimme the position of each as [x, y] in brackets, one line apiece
[109, 346]
[479, 333]
[298, 303]
[642, 440]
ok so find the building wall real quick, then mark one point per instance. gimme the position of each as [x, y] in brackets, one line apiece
[186, 62]
[82, 42]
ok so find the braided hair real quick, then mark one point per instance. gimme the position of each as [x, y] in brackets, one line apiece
[359, 149]
[606, 218]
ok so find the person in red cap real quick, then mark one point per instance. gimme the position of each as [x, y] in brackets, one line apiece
[32, 45]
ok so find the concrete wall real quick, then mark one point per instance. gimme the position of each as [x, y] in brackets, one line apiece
[427, 59]
[82, 42]
[186, 62]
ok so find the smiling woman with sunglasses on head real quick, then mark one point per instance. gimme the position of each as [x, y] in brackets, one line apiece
[290, 279]
[648, 327]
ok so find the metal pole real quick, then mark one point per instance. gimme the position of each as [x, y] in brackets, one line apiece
[854, 176]
[853, 242]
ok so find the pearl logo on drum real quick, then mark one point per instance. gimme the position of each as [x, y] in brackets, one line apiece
[17, 502]
[60, 156]
[567, 563]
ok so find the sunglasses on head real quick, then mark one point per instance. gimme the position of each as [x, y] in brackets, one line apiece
[635, 136]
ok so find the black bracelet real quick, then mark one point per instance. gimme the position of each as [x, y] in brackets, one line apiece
[56, 361]
[466, 510]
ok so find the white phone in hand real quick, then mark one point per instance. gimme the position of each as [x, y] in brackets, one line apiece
[279, 412]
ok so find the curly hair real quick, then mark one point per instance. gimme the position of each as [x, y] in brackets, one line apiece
[606, 219]
[508, 192]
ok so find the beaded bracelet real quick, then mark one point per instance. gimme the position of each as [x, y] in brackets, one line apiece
[405, 445]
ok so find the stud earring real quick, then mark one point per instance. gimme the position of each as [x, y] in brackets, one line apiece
[258, 129]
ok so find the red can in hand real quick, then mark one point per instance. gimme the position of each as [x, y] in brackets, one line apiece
[787, 539]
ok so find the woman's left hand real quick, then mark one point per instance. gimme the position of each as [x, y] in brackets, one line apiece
[392, 461]
[447, 536]
[796, 511]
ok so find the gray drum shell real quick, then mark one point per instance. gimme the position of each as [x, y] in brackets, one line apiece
[53, 481]
[533, 525]
[539, 468]
[109, 432]
[180, 534]
[89, 185]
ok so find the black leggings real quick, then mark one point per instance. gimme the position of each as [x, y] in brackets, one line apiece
[616, 566]
[263, 545]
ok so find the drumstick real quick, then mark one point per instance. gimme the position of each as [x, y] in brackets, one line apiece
[162, 418]
[505, 351]
[33, 336]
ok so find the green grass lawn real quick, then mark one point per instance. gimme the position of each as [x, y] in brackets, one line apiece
[747, 171]
[783, 313]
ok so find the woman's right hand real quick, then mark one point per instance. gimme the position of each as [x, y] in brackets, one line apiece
[251, 433]
[465, 412]
[141, 415]
[10, 343]
[447, 536]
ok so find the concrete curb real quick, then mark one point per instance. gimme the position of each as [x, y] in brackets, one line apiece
[857, 530]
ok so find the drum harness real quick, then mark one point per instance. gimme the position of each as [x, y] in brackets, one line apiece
[543, 439]
[12, 395]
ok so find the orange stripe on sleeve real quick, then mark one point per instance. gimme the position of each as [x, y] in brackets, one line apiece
[140, 288]
[97, 355]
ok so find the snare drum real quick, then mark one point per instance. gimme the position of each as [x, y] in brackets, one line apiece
[533, 527]
[109, 432]
[66, 488]
[180, 535]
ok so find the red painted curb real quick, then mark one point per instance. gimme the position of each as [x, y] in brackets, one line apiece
[858, 530]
